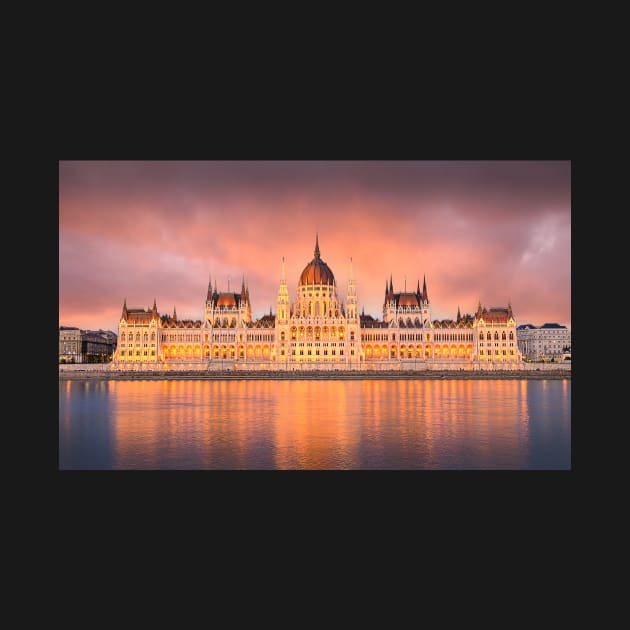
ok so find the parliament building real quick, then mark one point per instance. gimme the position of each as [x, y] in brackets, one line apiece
[317, 331]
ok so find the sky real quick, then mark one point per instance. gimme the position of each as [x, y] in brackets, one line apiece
[480, 231]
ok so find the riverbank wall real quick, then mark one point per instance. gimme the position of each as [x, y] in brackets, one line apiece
[91, 372]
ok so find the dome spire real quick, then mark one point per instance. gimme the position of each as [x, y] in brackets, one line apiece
[317, 246]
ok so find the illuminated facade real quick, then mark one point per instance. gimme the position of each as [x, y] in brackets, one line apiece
[317, 331]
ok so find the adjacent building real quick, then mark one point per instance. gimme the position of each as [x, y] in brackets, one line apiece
[544, 343]
[85, 346]
[317, 330]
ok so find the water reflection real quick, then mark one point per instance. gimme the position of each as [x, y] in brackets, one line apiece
[462, 424]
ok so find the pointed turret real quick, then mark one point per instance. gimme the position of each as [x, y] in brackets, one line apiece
[391, 284]
[317, 256]
[209, 296]
[510, 309]
[418, 287]
[124, 311]
[459, 316]
[479, 309]
[386, 288]
[174, 314]
[353, 306]
[425, 295]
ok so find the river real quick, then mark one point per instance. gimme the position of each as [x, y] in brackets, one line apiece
[311, 424]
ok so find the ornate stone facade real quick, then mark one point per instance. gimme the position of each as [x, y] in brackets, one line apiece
[317, 331]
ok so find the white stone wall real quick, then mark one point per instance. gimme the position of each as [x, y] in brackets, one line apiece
[537, 343]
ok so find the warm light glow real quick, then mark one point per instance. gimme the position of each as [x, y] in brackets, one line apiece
[478, 230]
[317, 424]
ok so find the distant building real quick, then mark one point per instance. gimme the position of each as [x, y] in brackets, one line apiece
[544, 343]
[317, 330]
[85, 346]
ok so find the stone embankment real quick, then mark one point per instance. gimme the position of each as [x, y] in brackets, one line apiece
[537, 374]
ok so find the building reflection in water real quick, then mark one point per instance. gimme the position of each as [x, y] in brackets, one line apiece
[311, 424]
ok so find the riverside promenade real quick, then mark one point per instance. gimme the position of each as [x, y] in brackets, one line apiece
[76, 372]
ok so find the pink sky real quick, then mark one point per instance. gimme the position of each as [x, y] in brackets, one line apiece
[489, 231]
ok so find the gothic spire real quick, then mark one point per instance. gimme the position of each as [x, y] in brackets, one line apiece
[174, 314]
[317, 246]
[124, 311]
[391, 284]
[425, 296]
[459, 316]
[418, 287]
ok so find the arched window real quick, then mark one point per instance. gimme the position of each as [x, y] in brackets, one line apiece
[488, 336]
[282, 336]
[503, 337]
[496, 335]
[352, 335]
[480, 336]
[511, 336]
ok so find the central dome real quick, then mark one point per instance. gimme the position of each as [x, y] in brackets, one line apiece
[317, 271]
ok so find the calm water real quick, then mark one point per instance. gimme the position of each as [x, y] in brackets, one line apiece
[445, 424]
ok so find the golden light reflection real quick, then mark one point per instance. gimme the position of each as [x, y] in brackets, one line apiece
[314, 424]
